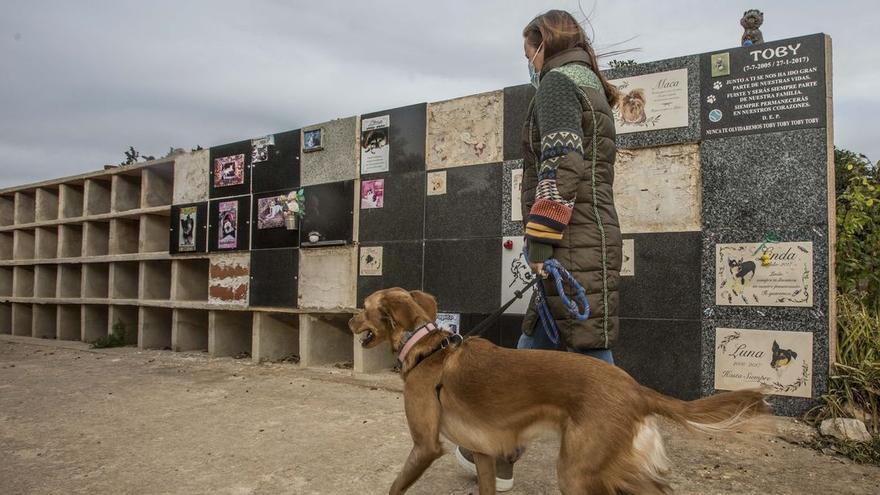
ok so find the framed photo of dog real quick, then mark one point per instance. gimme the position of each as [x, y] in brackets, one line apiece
[651, 102]
[764, 274]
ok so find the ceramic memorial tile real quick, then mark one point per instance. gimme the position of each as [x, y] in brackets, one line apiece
[515, 274]
[229, 221]
[405, 141]
[375, 150]
[276, 223]
[401, 266]
[191, 177]
[330, 152]
[401, 214]
[628, 268]
[229, 279]
[465, 131]
[652, 101]
[278, 164]
[756, 274]
[274, 278]
[511, 211]
[452, 268]
[774, 86]
[329, 214]
[675, 371]
[516, 105]
[327, 277]
[436, 183]
[189, 224]
[230, 169]
[470, 206]
[370, 261]
[451, 322]
[781, 362]
[658, 189]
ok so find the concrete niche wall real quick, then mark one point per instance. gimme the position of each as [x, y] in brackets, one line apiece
[229, 279]
[191, 177]
[465, 131]
[327, 278]
[338, 158]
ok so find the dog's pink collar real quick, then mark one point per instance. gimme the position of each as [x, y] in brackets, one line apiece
[416, 336]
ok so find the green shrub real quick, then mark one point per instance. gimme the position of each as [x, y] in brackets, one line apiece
[115, 339]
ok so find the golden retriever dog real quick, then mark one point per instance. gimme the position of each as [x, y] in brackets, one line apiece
[493, 400]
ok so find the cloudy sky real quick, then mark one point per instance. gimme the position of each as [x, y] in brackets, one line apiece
[81, 81]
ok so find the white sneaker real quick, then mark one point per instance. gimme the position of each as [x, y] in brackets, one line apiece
[465, 460]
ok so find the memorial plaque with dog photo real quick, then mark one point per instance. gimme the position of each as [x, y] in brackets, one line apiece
[370, 261]
[764, 274]
[436, 183]
[781, 362]
[229, 171]
[372, 194]
[270, 212]
[188, 219]
[313, 140]
[375, 148]
[227, 222]
[451, 322]
[652, 102]
[261, 148]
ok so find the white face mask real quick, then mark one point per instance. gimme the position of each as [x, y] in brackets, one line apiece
[534, 75]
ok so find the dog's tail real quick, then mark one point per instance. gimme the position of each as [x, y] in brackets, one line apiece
[728, 411]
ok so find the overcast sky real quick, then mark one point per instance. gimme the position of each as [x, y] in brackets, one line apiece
[81, 81]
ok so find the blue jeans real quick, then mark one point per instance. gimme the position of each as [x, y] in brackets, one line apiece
[540, 340]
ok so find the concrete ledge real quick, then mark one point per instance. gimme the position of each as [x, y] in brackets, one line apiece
[154, 328]
[189, 330]
[229, 333]
[324, 339]
[69, 323]
[276, 336]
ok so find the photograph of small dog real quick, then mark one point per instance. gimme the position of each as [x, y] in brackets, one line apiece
[493, 400]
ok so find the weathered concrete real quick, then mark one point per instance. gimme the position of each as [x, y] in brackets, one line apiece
[22, 319]
[23, 281]
[5, 318]
[69, 323]
[124, 280]
[24, 207]
[189, 330]
[129, 317]
[157, 185]
[94, 322]
[229, 333]
[45, 280]
[46, 242]
[465, 131]
[191, 177]
[328, 277]
[378, 358]
[339, 159]
[96, 238]
[189, 279]
[7, 209]
[125, 192]
[124, 235]
[45, 318]
[96, 279]
[229, 279]
[153, 236]
[276, 336]
[23, 245]
[154, 328]
[324, 339]
[96, 193]
[46, 207]
[7, 240]
[155, 280]
[69, 280]
[6, 277]
[70, 200]
[70, 240]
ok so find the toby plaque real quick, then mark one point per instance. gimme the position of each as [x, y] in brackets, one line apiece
[779, 362]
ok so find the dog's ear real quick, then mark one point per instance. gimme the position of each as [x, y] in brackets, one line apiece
[399, 307]
[426, 301]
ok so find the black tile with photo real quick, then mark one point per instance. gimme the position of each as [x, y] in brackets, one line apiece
[401, 267]
[464, 275]
[189, 228]
[402, 215]
[281, 168]
[328, 214]
[229, 170]
[406, 137]
[269, 228]
[470, 207]
[229, 224]
[274, 278]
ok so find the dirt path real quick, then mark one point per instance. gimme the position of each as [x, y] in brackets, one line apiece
[74, 420]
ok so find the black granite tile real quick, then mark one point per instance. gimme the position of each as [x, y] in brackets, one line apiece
[401, 267]
[328, 211]
[510, 330]
[689, 134]
[469, 321]
[516, 106]
[239, 147]
[274, 278]
[407, 138]
[402, 217]
[765, 180]
[200, 227]
[464, 275]
[275, 237]
[242, 228]
[781, 405]
[281, 170]
[667, 277]
[510, 227]
[470, 207]
[662, 354]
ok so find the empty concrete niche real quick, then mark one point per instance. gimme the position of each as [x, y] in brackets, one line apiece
[95, 280]
[96, 196]
[189, 330]
[124, 280]
[7, 210]
[124, 235]
[46, 204]
[96, 238]
[5, 318]
[154, 331]
[69, 281]
[23, 281]
[70, 200]
[22, 319]
[155, 280]
[189, 279]
[70, 239]
[7, 240]
[325, 339]
[45, 280]
[24, 207]
[154, 234]
[125, 192]
[276, 336]
[229, 333]
[45, 319]
[23, 245]
[93, 322]
[69, 324]
[158, 181]
[6, 275]
[46, 240]
[124, 318]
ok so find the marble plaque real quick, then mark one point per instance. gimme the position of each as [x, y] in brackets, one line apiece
[652, 102]
[516, 195]
[371, 261]
[375, 148]
[628, 267]
[465, 131]
[436, 183]
[771, 274]
[779, 362]
[515, 273]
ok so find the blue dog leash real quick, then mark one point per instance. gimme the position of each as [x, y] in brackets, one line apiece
[560, 275]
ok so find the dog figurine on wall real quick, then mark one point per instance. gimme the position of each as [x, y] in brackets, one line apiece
[751, 21]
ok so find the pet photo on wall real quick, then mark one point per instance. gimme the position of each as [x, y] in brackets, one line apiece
[270, 213]
[313, 140]
[261, 147]
[373, 194]
[227, 225]
[375, 149]
[229, 170]
[186, 240]
[650, 102]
